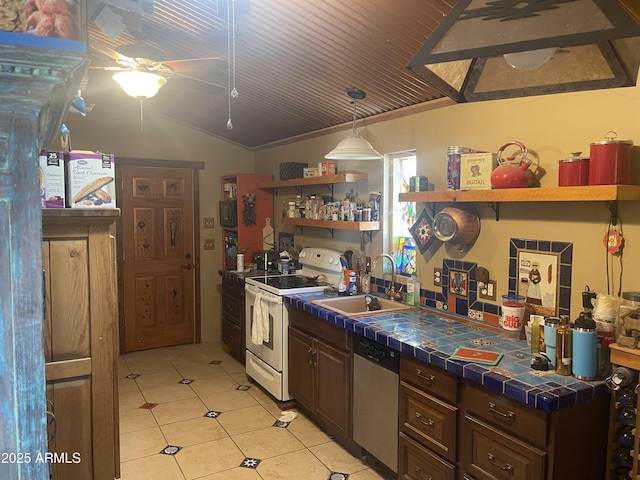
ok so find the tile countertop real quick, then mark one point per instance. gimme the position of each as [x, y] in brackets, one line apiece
[432, 336]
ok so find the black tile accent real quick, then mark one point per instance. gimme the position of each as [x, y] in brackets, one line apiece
[215, 362]
[186, 381]
[243, 388]
[280, 424]
[338, 476]
[212, 414]
[132, 376]
[250, 463]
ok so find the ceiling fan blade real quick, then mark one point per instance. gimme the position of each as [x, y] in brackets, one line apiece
[204, 65]
[217, 88]
[144, 54]
[111, 69]
[115, 55]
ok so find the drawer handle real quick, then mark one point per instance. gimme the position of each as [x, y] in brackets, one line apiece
[492, 460]
[418, 471]
[310, 355]
[427, 378]
[508, 416]
[428, 423]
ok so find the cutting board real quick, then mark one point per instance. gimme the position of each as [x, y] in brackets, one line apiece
[267, 236]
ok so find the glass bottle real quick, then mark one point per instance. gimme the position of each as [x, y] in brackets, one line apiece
[563, 347]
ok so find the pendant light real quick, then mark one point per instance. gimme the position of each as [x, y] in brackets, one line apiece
[354, 147]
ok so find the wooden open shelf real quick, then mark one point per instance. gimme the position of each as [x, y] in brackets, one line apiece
[553, 194]
[347, 177]
[332, 224]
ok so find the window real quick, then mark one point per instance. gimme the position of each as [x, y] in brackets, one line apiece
[401, 167]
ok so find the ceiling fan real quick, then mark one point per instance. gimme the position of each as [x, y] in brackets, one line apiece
[146, 64]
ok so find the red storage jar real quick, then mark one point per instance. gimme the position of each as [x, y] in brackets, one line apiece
[573, 171]
[610, 162]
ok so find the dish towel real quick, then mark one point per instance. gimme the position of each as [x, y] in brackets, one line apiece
[260, 324]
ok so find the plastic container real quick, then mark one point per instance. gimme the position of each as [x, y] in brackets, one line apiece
[550, 329]
[627, 324]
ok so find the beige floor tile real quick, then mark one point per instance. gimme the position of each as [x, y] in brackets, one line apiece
[336, 458]
[267, 442]
[209, 457]
[260, 395]
[300, 464]
[191, 432]
[123, 368]
[126, 385]
[241, 378]
[238, 473]
[227, 401]
[136, 419]
[308, 432]
[145, 365]
[207, 386]
[154, 467]
[232, 366]
[141, 443]
[245, 420]
[159, 379]
[179, 411]
[168, 393]
[130, 400]
[271, 406]
[370, 474]
[199, 370]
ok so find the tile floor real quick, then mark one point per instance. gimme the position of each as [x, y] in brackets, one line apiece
[186, 413]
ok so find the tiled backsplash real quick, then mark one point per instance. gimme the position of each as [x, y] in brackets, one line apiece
[459, 291]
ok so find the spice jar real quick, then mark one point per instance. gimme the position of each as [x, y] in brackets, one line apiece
[628, 320]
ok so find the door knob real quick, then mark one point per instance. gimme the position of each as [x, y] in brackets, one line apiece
[188, 266]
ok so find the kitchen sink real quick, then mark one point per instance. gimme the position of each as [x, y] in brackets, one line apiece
[356, 305]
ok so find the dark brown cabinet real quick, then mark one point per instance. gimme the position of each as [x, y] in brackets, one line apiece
[320, 371]
[233, 316]
[428, 421]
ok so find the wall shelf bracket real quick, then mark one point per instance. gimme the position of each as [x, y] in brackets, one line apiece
[612, 206]
[495, 206]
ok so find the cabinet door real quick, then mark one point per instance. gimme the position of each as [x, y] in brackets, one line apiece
[333, 386]
[232, 336]
[301, 368]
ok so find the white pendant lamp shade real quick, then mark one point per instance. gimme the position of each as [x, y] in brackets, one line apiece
[140, 84]
[354, 147]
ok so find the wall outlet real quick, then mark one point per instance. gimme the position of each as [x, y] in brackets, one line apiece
[209, 244]
[209, 222]
[437, 277]
[487, 291]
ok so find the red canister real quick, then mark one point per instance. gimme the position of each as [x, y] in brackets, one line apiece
[573, 171]
[610, 161]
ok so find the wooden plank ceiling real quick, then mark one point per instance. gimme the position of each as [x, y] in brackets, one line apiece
[294, 61]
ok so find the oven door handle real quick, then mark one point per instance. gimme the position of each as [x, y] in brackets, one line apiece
[266, 296]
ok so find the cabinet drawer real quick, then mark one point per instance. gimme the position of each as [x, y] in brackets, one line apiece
[488, 454]
[417, 463]
[509, 415]
[235, 289]
[428, 420]
[232, 307]
[333, 335]
[432, 380]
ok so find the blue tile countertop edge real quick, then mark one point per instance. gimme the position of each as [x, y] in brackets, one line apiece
[432, 336]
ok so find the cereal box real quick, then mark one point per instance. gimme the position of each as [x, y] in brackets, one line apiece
[52, 179]
[90, 180]
[475, 170]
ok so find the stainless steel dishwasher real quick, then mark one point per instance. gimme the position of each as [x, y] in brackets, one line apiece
[375, 399]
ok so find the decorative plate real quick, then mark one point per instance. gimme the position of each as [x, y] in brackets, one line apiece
[422, 231]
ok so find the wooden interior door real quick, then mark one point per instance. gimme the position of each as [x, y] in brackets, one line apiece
[157, 238]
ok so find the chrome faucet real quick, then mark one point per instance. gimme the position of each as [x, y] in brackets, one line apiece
[392, 293]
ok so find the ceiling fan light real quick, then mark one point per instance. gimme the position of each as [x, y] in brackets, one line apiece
[140, 84]
[354, 147]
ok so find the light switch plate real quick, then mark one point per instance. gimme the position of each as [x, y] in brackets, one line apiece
[437, 277]
[209, 222]
[487, 291]
[209, 244]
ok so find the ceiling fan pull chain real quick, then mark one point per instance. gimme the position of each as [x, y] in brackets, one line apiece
[234, 91]
[229, 124]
